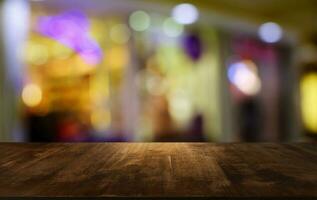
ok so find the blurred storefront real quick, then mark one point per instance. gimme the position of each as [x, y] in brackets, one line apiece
[130, 71]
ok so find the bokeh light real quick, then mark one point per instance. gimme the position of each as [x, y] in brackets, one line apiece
[171, 28]
[72, 29]
[139, 21]
[180, 106]
[120, 33]
[36, 54]
[270, 32]
[308, 101]
[185, 13]
[32, 95]
[147, 71]
[243, 75]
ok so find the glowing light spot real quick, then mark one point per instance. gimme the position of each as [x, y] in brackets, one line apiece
[139, 21]
[270, 32]
[181, 107]
[171, 28]
[308, 91]
[120, 33]
[244, 76]
[32, 95]
[185, 13]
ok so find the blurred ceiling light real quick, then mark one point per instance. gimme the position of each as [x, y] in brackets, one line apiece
[185, 13]
[308, 91]
[32, 95]
[120, 33]
[171, 28]
[244, 76]
[270, 32]
[139, 20]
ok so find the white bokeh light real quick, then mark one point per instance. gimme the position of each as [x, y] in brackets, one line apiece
[270, 32]
[185, 13]
[243, 75]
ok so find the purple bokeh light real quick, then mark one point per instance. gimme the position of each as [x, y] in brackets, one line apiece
[193, 46]
[71, 29]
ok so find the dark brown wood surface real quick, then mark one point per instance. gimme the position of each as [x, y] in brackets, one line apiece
[158, 170]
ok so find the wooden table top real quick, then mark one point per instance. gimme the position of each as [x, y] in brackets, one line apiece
[158, 170]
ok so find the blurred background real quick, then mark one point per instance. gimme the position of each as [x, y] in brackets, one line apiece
[169, 70]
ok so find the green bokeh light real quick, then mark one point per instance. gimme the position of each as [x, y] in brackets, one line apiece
[139, 21]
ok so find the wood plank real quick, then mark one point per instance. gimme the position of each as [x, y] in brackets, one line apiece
[158, 170]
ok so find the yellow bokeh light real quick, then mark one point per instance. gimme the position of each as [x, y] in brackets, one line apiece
[36, 53]
[32, 95]
[120, 33]
[308, 101]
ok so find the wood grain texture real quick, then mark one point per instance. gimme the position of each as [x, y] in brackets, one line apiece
[158, 170]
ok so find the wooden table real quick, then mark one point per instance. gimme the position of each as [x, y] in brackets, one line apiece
[131, 170]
